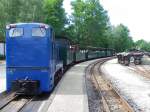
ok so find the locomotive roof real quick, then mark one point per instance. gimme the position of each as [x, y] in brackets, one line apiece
[22, 24]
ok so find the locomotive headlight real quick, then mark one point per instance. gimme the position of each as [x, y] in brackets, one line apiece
[8, 27]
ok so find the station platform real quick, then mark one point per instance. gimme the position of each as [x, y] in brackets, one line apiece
[2, 76]
[70, 95]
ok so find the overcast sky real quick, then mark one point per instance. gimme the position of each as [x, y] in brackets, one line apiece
[135, 14]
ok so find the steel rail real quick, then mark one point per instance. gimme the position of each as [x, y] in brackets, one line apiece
[137, 69]
[14, 103]
[7, 99]
[106, 105]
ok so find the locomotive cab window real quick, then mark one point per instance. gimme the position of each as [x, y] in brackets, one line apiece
[16, 32]
[38, 32]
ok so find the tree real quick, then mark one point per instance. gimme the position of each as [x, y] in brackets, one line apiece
[31, 11]
[121, 38]
[90, 22]
[13, 11]
[3, 18]
[54, 14]
[142, 45]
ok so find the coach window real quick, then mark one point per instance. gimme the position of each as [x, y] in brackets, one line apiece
[38, 32]
[16, 32]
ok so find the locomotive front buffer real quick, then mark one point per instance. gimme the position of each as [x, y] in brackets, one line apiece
[26, 87]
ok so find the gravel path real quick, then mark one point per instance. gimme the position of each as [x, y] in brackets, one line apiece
[134, 87]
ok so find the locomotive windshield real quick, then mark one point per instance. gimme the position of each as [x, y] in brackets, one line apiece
[38, 32]
[16, 32]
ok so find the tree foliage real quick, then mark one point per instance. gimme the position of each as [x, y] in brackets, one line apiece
[31, 11]
[121, 39]
[89, 22]
[88, 25]
[91, 27]
[12, 11]
[45, 11]
[142, 45]
[54, 14]
[3, 17]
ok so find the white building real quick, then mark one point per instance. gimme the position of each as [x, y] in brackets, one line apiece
[2, 49]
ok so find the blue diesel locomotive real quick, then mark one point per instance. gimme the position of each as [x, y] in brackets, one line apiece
[31, 57]
[34, 57]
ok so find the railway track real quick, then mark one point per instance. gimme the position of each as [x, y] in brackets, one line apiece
[110, 98]
[14, 103]
[9, 102]
[140, 69]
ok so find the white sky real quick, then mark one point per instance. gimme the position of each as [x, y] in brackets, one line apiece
[135, 14]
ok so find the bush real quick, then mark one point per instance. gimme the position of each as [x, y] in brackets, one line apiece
[2, 57]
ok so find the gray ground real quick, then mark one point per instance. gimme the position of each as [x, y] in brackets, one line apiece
[133, 86]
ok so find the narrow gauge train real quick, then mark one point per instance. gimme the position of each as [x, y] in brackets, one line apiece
[34, 57]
